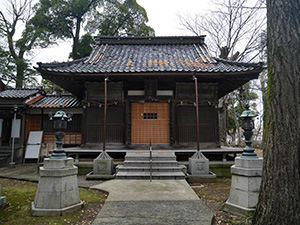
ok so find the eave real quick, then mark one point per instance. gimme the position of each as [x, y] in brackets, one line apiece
[227, 81]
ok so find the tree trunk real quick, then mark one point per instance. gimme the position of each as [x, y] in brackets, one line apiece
[21, 66]
[223, 115]
[76, 38]
[279, 199]
[263, 80]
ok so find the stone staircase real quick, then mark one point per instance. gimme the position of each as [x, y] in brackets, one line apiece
[5, 154]
[137, 166]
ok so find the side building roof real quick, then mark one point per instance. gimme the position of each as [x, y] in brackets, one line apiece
[19, 97]
[19, 93]
[54, 101]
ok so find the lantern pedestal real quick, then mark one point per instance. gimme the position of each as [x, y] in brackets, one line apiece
[57, 192]
[245, 185]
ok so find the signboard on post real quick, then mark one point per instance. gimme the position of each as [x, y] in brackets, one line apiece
[16, 127]
[34, 145]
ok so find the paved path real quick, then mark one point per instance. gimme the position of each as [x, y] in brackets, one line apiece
[156, 202]
[29, 172]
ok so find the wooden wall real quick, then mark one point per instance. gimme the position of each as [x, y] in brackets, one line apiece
[182, 111]
[94, 120]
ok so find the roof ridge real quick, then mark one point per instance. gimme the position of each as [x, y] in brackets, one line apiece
[61, 95]
[54, 64]
[150, 40]
[38, 89]
[238, 62]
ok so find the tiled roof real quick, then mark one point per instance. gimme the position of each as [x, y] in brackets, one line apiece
[21, 93]
[53, 101]
[148, 55]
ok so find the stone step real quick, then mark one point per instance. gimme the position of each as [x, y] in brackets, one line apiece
[4, 155]
[122, 168]
[148, 158]
[5, 151]
[137, 166]
[146, 175]
[147, 163]
[155, 157]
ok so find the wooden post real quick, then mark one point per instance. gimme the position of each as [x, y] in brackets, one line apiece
[197, 111]
[150, 161]
[105, 108]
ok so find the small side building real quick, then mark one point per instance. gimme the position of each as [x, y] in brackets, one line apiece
[14, 102]
[38, 120]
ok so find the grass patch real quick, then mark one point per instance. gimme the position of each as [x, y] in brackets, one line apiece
[20, 194]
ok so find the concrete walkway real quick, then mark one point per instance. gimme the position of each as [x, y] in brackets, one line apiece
[29, 172]
[156, 202]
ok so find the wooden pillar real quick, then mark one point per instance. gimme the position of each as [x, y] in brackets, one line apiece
[105, 109]
[172, 121]
[197, 111]
[84, 126]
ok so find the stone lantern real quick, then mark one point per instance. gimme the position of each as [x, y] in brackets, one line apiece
[246, 173]
[60, 120]
[248, 125]
[57, 192]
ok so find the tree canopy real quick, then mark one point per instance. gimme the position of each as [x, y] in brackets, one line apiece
[20, 14]
[117, 19]
[233, 27]
[24, 27]
[104, 17]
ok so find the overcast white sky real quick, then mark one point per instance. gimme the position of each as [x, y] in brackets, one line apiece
[162, 15]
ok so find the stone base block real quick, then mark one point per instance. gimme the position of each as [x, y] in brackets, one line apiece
[237, 209]
[92, 176]
[103, 166]
[3, 204]
[208, 178]
[199, 166]
[55, 212]
[2, 200]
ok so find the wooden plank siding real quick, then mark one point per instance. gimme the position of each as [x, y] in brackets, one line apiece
[69, 139]
[33, 123]
[115, 124]
[186, 124]
[73, 134]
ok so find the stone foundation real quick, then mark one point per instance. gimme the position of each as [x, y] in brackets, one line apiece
[245, 184]
[57, 192]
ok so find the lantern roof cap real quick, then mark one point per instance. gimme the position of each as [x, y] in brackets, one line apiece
[247, 113]
[60, 114]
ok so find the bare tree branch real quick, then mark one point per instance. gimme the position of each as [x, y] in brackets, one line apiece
[232, 28]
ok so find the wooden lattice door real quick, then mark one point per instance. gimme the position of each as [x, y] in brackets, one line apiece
[150, 121]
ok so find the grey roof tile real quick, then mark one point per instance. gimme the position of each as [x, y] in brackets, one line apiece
[19, 93]
[54, 101]
[148, 54]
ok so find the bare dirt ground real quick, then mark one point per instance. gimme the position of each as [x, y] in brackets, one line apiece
[214, 196]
